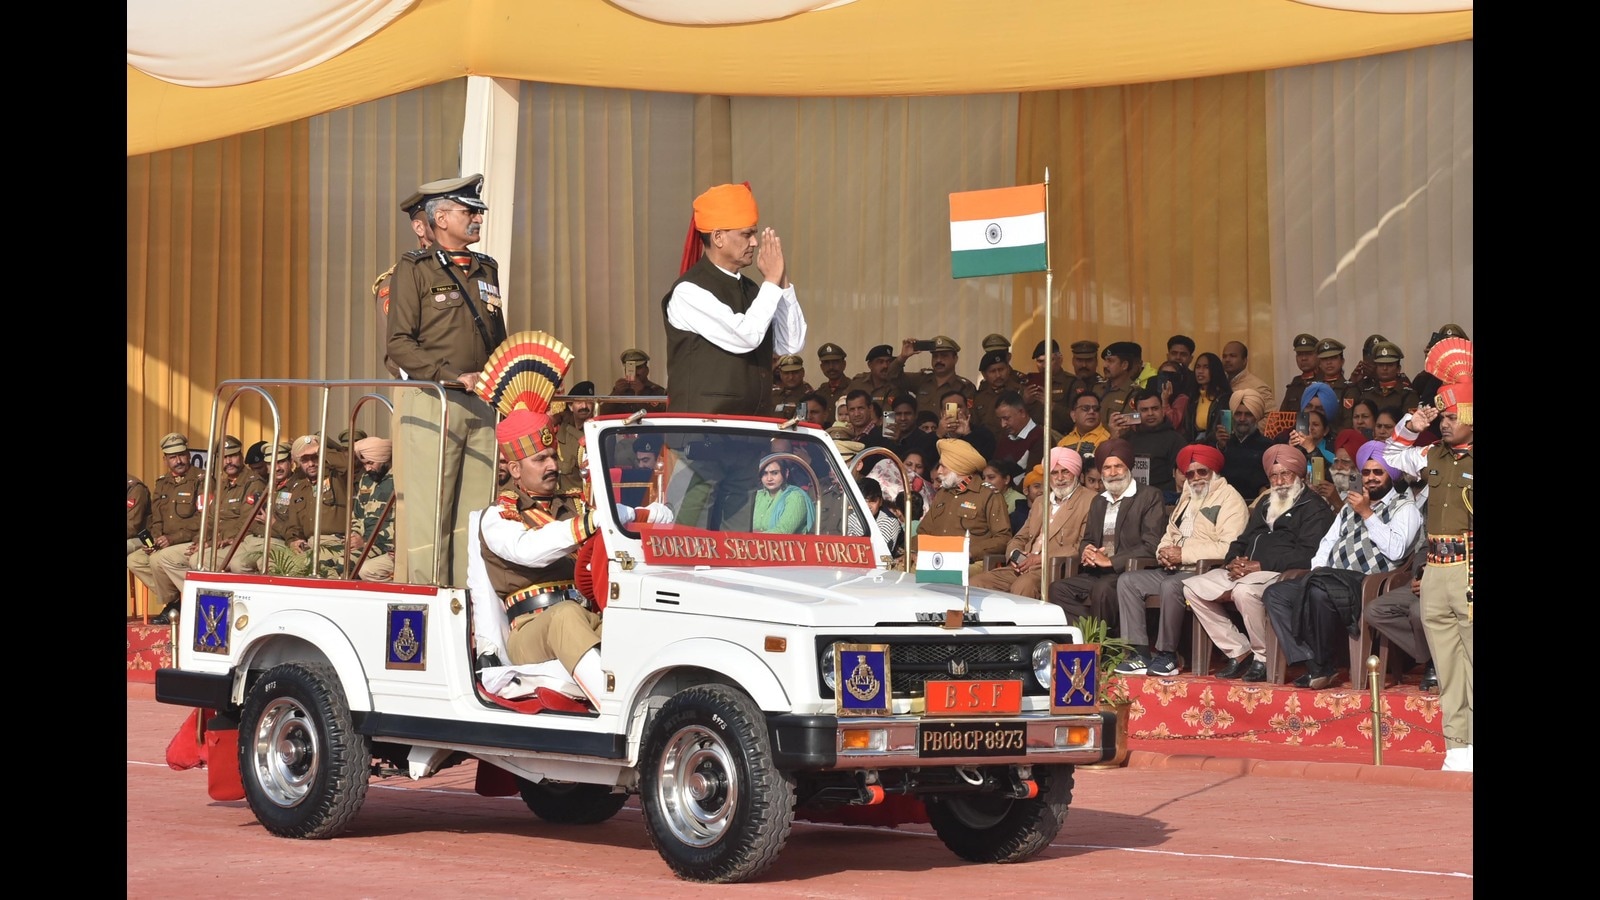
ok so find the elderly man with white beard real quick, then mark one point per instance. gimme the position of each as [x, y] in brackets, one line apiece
[1068, 503]
[1125, 523]
[1374, 532]
[1209, 515]
[1285, 527]
[963, 504]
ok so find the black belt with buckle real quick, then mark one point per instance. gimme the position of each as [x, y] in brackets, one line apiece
[540, 601]
[1445, 549]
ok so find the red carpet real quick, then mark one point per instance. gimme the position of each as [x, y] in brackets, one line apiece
[149, 648]
[1185, 714]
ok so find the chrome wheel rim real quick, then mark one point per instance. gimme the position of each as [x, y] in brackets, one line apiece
[285, 753]
[697, 789]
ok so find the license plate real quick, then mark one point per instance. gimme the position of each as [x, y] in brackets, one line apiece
[973, 698]
[936, 739]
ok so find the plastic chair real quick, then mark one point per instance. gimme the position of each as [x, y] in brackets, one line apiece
[1201, 644]
[1372, 587]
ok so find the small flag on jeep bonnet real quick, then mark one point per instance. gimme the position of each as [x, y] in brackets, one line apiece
[942, 559]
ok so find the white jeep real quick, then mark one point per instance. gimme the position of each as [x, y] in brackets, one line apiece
[750, 676]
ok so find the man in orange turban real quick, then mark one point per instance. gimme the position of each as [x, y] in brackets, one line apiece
[723, 329]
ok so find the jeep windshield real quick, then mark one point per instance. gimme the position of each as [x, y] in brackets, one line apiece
[727, 480]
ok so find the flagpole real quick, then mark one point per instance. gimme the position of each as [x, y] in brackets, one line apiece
[1049, 370]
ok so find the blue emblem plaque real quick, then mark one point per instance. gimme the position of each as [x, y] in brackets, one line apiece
[213, 615]
[862, 672]
[1075, 678]
[407, 637]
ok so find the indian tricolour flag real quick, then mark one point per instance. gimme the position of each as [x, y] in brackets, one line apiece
[997, 232]
[942, 559]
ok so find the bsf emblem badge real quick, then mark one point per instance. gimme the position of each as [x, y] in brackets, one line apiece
[1075, 678]
[862, 673]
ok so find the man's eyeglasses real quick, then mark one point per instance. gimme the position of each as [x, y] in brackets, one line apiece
[1374, 472]
[1198, 472]
[1087, 408]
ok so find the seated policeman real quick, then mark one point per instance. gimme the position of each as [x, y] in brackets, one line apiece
[529, 541]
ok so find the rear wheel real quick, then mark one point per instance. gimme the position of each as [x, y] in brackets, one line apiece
[990, 828]
[715, 806]
[304, 766]
[569, 803]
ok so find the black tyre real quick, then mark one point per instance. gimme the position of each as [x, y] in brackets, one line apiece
[304, 766]
[715, 807]
[568, 803]
[989, 828]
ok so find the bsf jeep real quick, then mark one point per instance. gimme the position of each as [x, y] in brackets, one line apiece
[750, 677]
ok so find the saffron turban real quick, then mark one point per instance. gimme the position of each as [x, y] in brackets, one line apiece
[1066, 458]
[1374, 450]
[377, 450]
[959, 457]
[725, 206]
[1035, 476]
[1284, 455]
[1117, 447]
[1205, 455]
[523, 433]
[1250, 400]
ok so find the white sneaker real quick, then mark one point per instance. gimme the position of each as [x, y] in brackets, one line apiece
[1458, 759]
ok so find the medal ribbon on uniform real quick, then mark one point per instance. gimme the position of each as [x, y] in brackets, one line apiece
[464, 260]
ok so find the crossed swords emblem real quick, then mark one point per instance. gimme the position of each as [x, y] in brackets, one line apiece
[213, 615]
[1078, 675]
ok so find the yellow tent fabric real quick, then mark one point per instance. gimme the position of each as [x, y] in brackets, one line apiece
[865, 48]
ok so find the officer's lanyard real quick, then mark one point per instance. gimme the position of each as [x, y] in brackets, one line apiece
[483, 330]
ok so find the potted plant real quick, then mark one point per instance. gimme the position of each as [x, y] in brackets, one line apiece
[1115, 695]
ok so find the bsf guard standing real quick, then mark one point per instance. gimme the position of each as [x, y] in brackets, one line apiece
[876, 381]
[831, 358]
[1330, 363]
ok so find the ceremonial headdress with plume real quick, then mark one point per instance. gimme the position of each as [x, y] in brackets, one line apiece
[1450, 361]
[518, 381]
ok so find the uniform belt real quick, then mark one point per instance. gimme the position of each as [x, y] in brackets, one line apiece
[539, 597]
[1447, 549]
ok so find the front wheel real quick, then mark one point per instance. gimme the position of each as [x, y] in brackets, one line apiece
[989, 828]
[715, 807]
[568, 803]
[304, 765]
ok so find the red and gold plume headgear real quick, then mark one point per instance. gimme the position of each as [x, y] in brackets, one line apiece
[518, 380]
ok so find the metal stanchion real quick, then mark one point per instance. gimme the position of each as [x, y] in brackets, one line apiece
[1375, 679]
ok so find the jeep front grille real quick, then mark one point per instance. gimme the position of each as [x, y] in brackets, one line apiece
[912, 662]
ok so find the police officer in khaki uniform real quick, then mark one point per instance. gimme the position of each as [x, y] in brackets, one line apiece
[997, 342]
[445, 318]
[1122, 359]
[929, 384]
[319, 504]
[569, 437]
[138, 512]
[876, 380]
[232, 501]
[1388, 386]
[963, 504]
[635, 382]
[1064, 388]
[1330, 365]
[383, 285]
[998, 378]
[831, 358]
[1305, 358]
[791, 386]
[174, 521]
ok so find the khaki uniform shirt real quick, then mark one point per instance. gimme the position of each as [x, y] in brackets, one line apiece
[925, 386]
[285, 525]
[569, 475]
[138, 506]
[334, 503]
[236, 501]
[832, 391]
[432, 332]
[1117, 400]
[975, 509]
[175, 507]
[1401, 394]
[1293, 391]
[624, 387]
[880, 392]
[786, 400]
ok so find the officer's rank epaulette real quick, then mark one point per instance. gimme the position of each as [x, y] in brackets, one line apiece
[415, 255]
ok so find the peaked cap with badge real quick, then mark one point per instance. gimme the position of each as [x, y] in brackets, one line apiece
[466, 190]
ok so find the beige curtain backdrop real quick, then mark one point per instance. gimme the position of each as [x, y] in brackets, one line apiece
[1371, 200]
[217, 275]
[1158, 215]
[365, 161]
[858, 190]
[604, 185]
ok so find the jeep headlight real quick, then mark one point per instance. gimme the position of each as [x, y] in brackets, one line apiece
[1043, 658]
[830, 675]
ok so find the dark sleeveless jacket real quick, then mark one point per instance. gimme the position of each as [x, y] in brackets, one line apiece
[704, 378]
[509, 577]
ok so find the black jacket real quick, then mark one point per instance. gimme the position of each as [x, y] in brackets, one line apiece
[1291, 541]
